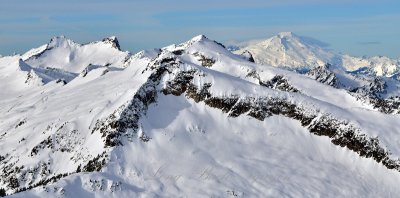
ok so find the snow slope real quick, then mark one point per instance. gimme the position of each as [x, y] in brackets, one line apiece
[187, 120]
[288, 50]
[76, 57]
[361, 77]
[377, 65]
[192, 157]
[296, 52]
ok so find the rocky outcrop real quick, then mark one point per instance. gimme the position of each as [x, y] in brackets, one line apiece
[113, 41]
[341, 132]
[124, 122]
[205, 61]
[248, 56]
[373, 94]
[279, 83]
[323, 74]
[166, 76]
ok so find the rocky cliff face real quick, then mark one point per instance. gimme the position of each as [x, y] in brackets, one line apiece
[95, 131]
[324, 75]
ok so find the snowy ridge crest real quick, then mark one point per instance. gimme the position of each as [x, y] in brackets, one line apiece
[186, 119]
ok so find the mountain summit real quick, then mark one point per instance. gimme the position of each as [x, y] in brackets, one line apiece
[63, 53]
[289, 50]
[190, 120]
[113, 41]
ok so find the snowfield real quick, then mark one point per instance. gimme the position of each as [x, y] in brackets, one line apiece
[292, 51]
[193, 120]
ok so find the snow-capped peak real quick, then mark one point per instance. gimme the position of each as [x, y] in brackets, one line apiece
[113, 41]
[197, 43]
[286, 34]
[65, 54]
[199, 38]
[286, 49]
[60, 41]
[289, 50]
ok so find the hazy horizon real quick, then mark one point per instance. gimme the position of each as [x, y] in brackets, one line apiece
[352, 27]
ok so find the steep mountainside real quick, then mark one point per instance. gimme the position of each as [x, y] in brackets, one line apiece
[188, 120]
[358, 76]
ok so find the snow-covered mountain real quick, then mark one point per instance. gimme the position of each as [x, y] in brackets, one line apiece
[287, 50]
[190, 120]
[296, 52]
[376, 65]
[65, 54]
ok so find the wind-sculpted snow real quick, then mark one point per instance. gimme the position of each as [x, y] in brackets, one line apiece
[194, 120]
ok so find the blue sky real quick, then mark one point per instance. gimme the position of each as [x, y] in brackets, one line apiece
[357, 27]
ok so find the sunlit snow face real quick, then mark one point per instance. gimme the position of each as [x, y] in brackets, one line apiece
[191, 118]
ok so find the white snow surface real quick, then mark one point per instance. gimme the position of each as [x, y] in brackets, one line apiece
[289, 50]
[65, 54]
[195, 150]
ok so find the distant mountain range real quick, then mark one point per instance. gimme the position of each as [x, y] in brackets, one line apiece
[196, 120]
[296, 52]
